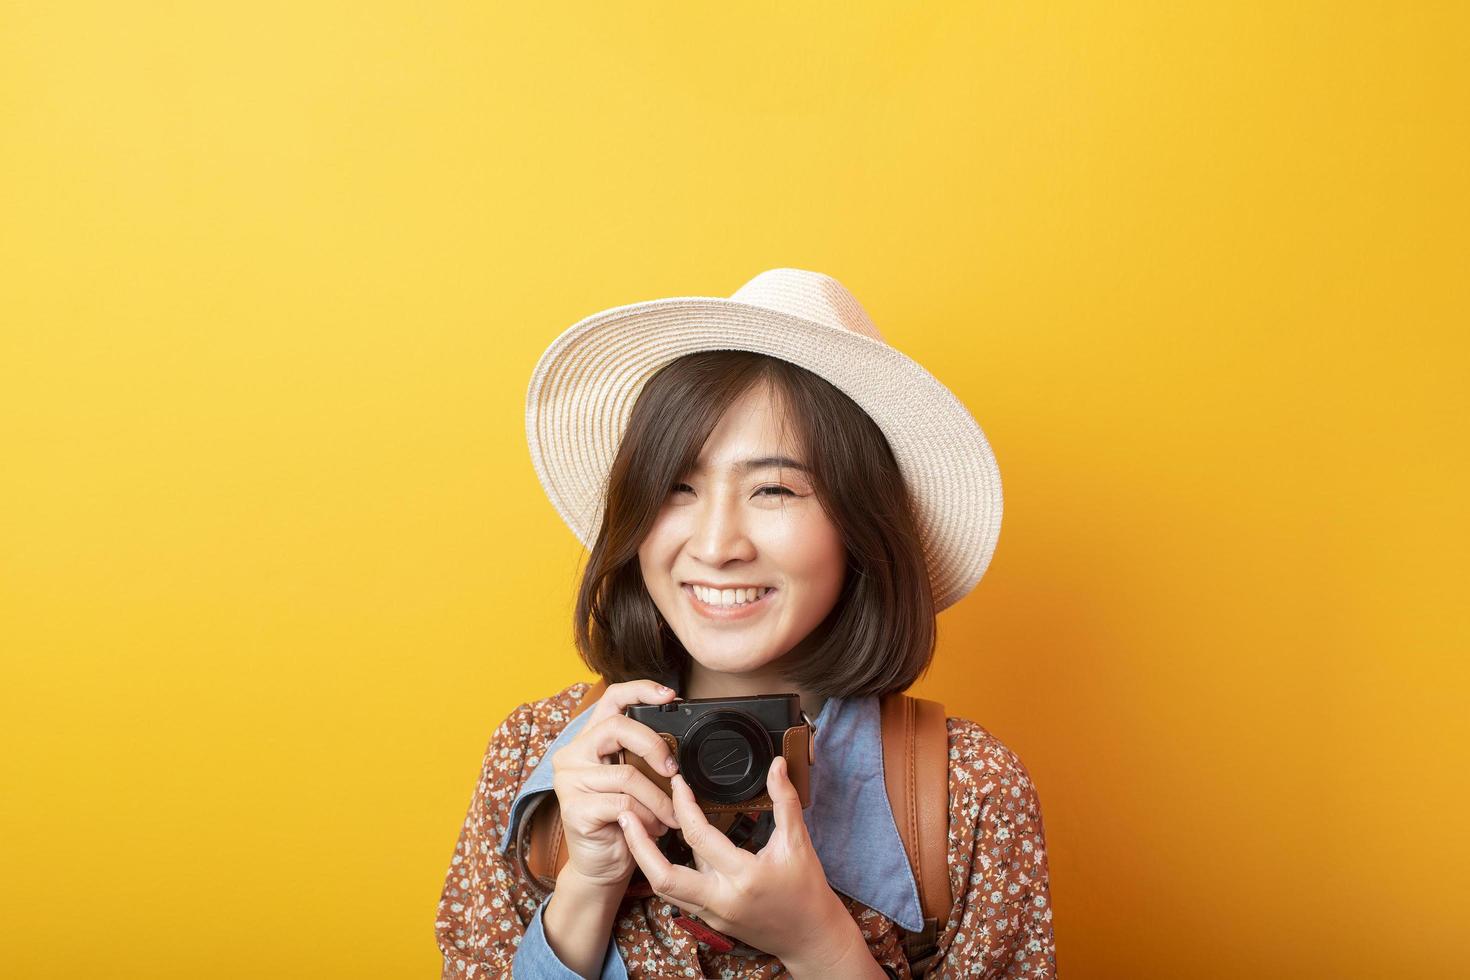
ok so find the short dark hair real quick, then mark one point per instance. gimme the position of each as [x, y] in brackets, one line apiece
[880, 635]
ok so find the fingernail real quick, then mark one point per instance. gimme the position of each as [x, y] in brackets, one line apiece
[622, 820]
[665, 690]
[670, 766]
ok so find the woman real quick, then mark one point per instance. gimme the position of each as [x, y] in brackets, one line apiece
[776, 501]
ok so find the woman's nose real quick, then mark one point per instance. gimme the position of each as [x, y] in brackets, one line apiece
[720, 534]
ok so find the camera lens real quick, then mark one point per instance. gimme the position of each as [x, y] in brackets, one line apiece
[725, 756]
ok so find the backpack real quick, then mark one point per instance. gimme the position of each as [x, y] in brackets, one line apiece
[915, 772]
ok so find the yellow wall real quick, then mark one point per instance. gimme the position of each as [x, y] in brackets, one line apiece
[274, 562]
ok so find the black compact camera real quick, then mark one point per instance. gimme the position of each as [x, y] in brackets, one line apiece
[725, 746]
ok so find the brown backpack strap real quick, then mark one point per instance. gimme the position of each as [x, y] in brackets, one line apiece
[916, 773]
[539, 845]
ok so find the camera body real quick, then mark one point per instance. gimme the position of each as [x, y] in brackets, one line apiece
[725, 747]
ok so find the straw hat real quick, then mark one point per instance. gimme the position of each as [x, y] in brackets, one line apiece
[584, 386]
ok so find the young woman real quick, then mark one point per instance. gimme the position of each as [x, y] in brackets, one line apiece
[776, 501]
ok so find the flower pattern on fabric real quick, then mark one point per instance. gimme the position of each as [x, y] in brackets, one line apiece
[999, 926]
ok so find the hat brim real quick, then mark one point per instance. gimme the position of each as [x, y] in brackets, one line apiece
[584, 385]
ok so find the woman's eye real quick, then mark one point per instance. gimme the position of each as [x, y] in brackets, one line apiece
[775, 491]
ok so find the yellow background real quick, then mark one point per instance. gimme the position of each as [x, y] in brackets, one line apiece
[274, 562]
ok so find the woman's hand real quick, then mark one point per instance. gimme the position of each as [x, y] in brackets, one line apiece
[593, 793]
[776, 900]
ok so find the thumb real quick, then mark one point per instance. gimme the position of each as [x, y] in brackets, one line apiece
[785, 803]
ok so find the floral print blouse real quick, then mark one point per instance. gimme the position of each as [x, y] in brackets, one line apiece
[1000, 925]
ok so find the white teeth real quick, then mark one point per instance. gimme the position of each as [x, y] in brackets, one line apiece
[727, 597]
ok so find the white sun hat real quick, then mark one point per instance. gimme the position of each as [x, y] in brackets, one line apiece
[583, 389]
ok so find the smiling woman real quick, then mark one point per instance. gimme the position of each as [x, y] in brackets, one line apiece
[722, 483]
[788, 505]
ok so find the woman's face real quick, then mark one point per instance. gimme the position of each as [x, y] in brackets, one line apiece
[734, 523]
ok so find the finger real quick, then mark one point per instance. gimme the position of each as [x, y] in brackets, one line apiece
[603, 809]
[627, 779]
[619, 696]
[785, 803]
[683, 886]
[703, 838]
[619, 732]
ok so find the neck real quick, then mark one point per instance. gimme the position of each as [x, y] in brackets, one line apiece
[701, 682]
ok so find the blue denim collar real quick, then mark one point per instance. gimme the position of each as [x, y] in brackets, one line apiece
[849, 820]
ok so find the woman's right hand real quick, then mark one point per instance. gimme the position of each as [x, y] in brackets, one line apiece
[591, 793]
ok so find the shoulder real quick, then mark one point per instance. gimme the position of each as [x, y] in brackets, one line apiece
[521, 738]
[998, 869]
[984, 770]
[542, 719]
[516, 748]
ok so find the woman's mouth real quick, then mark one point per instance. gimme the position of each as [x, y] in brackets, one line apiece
[699, 599]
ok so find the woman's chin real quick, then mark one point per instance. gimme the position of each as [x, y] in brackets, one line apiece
[730, 661]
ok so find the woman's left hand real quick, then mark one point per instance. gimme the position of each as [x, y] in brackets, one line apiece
[776, 900]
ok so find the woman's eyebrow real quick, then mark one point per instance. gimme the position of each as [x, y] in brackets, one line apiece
[760, 463]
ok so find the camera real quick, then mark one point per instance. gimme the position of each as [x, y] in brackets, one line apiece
[725, 747]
